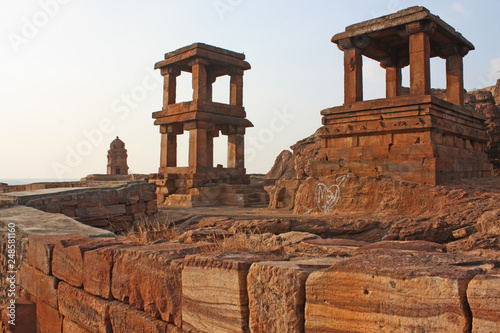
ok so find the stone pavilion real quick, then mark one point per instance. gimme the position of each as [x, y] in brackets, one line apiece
[200, 183]
[416, 137]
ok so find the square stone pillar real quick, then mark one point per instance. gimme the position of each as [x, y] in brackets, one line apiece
[168, 152]
[455, 80]
[236, 151]
[200, 81]
[210, 148]
[169, 85]
[353, 75]
[420, 77]
[198, 148]
[236, 92]
[393, 82]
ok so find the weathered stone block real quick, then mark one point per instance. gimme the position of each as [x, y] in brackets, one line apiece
[483, 295]
[25, 320]
[276, 292]
[43, 287]
[124, 319]
[136, 208]
[150, 278]
[39, 251]
[389, 291]
[72, 327]
[48, 319]
[214, 292]
[67, 261]
[97, 267]
[90, 312]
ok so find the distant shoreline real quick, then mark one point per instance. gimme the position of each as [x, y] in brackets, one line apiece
[24, 181]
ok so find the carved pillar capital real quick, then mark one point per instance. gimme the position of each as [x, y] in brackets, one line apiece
[416, 27]
[360, 42]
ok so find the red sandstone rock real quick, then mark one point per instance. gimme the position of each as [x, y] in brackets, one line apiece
[214, 292]
[39, 251]
[276, 292]
[333, 246]
[483, 295]
[97, 267]
[43, 287]
[25, 317]
[48, 319]
[404, 245]
[149, 277]
[67, 261]
[282, 193]
[90, 312]
[72, 327]
[305, 153]
[283, 167]
[393, 290]
[124, 319]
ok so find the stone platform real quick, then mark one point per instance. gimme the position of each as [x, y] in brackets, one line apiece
[422, 139]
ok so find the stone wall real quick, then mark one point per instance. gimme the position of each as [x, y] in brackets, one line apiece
[113, 208]
[73, 283]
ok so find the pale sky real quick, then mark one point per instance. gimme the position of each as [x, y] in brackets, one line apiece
[74, 74]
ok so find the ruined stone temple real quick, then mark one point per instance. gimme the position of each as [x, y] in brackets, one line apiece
[200, 183]
[416, 137]
[117, 158]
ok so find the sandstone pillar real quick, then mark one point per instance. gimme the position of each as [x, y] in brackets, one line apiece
[420, 77]
[210, 149]
[393, 81]
[200, 81]
[169, 85]
[236, 92]
[455, 79]
[168, 153]
[236, 151]
[353, 75]
[198, 148]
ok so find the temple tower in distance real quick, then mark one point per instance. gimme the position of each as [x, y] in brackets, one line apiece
[117, 158]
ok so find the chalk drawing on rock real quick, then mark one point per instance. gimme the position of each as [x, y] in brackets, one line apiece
[327, 197]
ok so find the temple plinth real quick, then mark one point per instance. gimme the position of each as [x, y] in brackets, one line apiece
[416, 137]
[200, 183]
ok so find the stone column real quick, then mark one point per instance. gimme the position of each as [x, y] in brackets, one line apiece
[168, 152]
[169, 85]
[210, 81]
[200, 80]
[455, 79]
[198, 148]
[236, 88]
[210, 149]
[393, 82]
[236, 151]
[353, 75]
[420, 51]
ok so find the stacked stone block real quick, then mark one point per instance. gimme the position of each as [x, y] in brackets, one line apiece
[173, 288]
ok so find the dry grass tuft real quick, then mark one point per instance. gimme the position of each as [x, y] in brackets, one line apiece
[150, 231]
[246, 242]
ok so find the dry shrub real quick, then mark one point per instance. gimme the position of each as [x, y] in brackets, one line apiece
[150, 231]
[246, 242]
